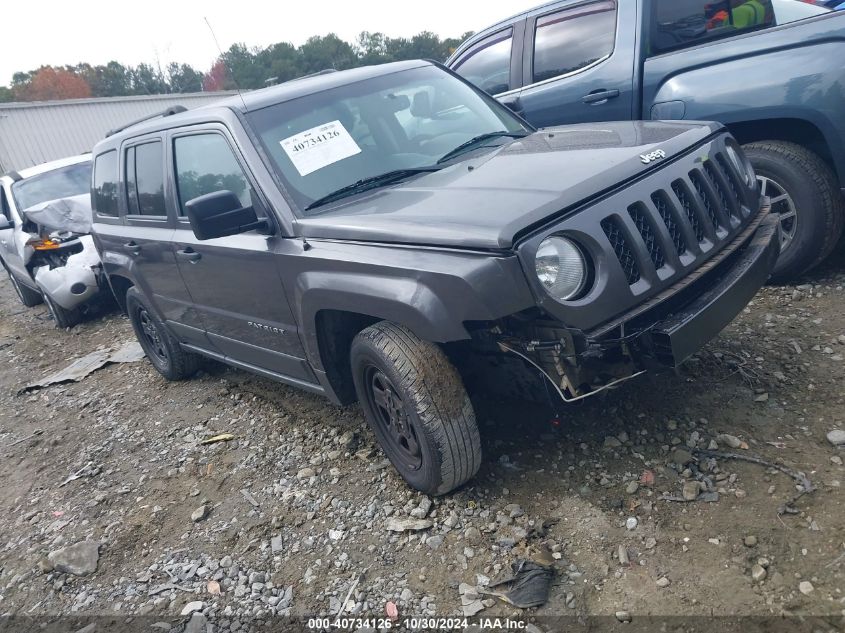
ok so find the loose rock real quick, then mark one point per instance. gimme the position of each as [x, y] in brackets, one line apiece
[79, 559]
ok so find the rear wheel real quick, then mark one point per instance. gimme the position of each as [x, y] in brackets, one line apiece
[161, 348]
[27, 295]
[63, 318]
[806, 195]
[416, 404]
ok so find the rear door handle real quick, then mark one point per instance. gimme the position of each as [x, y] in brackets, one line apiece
[189, 255]
[133, 248]
[598, 97]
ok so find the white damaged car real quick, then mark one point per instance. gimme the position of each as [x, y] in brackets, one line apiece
[45, 245]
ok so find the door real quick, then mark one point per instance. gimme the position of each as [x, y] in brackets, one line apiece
[233, 281]
[579, 67]
[8, 253]
[134, 230]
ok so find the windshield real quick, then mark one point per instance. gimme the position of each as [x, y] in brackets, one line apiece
[64, 182]
[406, 120]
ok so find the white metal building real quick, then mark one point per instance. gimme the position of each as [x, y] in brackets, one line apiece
[36, 132]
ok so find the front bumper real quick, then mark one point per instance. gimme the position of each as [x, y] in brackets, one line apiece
[75, 283]
[676, 338]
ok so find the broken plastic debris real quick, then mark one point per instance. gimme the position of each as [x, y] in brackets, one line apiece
[129, 353]
[223, 437]
[213, 587]
[529, 585]
[391, 610]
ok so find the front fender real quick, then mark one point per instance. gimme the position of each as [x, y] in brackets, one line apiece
[431, 292]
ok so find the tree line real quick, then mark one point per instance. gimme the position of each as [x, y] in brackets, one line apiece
[240, 66]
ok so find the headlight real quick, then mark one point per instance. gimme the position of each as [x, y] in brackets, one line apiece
[743, 165]
[561, 268]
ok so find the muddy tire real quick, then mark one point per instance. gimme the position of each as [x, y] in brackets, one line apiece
[806, 194]
[416, 404]
[163, 351]
[62, 317]
[29, 297]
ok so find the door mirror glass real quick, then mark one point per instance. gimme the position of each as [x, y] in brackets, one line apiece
[219, 214]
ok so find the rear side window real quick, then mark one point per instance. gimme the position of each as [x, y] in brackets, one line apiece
[104, 195]
[488, 63]
[684, 23]
[145, 179]
[205, 164]
[567, 41]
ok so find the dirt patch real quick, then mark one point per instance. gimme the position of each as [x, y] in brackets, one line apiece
[295, 506]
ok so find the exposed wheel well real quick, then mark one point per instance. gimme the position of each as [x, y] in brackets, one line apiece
[119, 287]
[335, 331]
[795, 131]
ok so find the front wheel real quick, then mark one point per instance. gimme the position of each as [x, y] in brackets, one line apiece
[806, 196]
[161, 348]
[416, 404]
[27, 295]
[62, 317]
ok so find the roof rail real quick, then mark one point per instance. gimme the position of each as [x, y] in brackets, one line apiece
[177, 109]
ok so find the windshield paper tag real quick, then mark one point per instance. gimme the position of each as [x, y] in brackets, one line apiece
[319, 147]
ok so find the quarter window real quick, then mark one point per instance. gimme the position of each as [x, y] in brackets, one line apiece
[488, 64]
[567, 41]
[104, 196]
[205, 164]
[145, 179]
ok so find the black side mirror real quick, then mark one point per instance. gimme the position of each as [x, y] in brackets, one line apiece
[219, 214]
[5, 223]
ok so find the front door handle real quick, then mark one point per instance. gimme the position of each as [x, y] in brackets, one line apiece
[133, 248]
[597, 97]
[189, 255]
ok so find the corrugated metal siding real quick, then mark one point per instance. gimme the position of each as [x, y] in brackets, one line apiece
[34, 133]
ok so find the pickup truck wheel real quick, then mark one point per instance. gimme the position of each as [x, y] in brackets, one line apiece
[63, 318]
[27, 295]
[163, 351]
[416, 404]
[805, 193]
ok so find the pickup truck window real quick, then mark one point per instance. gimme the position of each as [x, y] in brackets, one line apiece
[145, 179]
[488, 63]
[570, 40]
[685, 23]
[104, 199]
[401, 121]
[205, 164]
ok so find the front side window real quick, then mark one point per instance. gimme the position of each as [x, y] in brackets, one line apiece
[488, 64]
[64, 182]
[205, 164]
[407, 121]
[684, 23]
[567, 41]
[145, 180]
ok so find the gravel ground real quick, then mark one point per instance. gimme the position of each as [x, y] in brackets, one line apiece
[116, 508]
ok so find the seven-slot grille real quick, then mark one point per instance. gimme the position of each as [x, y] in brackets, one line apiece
[693, 215]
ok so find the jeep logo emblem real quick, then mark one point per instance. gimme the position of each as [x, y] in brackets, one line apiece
[266, 328]
[654, 156]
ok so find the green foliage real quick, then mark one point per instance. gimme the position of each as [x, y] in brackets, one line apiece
[247, 68]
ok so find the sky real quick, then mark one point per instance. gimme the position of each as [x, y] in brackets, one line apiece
[53, 32]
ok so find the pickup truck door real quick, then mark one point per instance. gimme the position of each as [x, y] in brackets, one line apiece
[234, 283]
[579, 64]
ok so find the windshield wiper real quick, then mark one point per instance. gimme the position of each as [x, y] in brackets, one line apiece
[372, 182]
[463, 147]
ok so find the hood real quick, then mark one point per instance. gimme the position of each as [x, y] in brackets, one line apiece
[488, 199]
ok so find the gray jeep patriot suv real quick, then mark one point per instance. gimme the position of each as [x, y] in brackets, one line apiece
[356, 233]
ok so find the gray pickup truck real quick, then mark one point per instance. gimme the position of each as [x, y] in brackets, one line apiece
[357, 233]
[771, 71]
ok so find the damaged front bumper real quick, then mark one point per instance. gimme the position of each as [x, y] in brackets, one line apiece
[75, 283]
[659, 334]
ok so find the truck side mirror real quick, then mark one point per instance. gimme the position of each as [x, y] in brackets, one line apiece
[219, 214]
